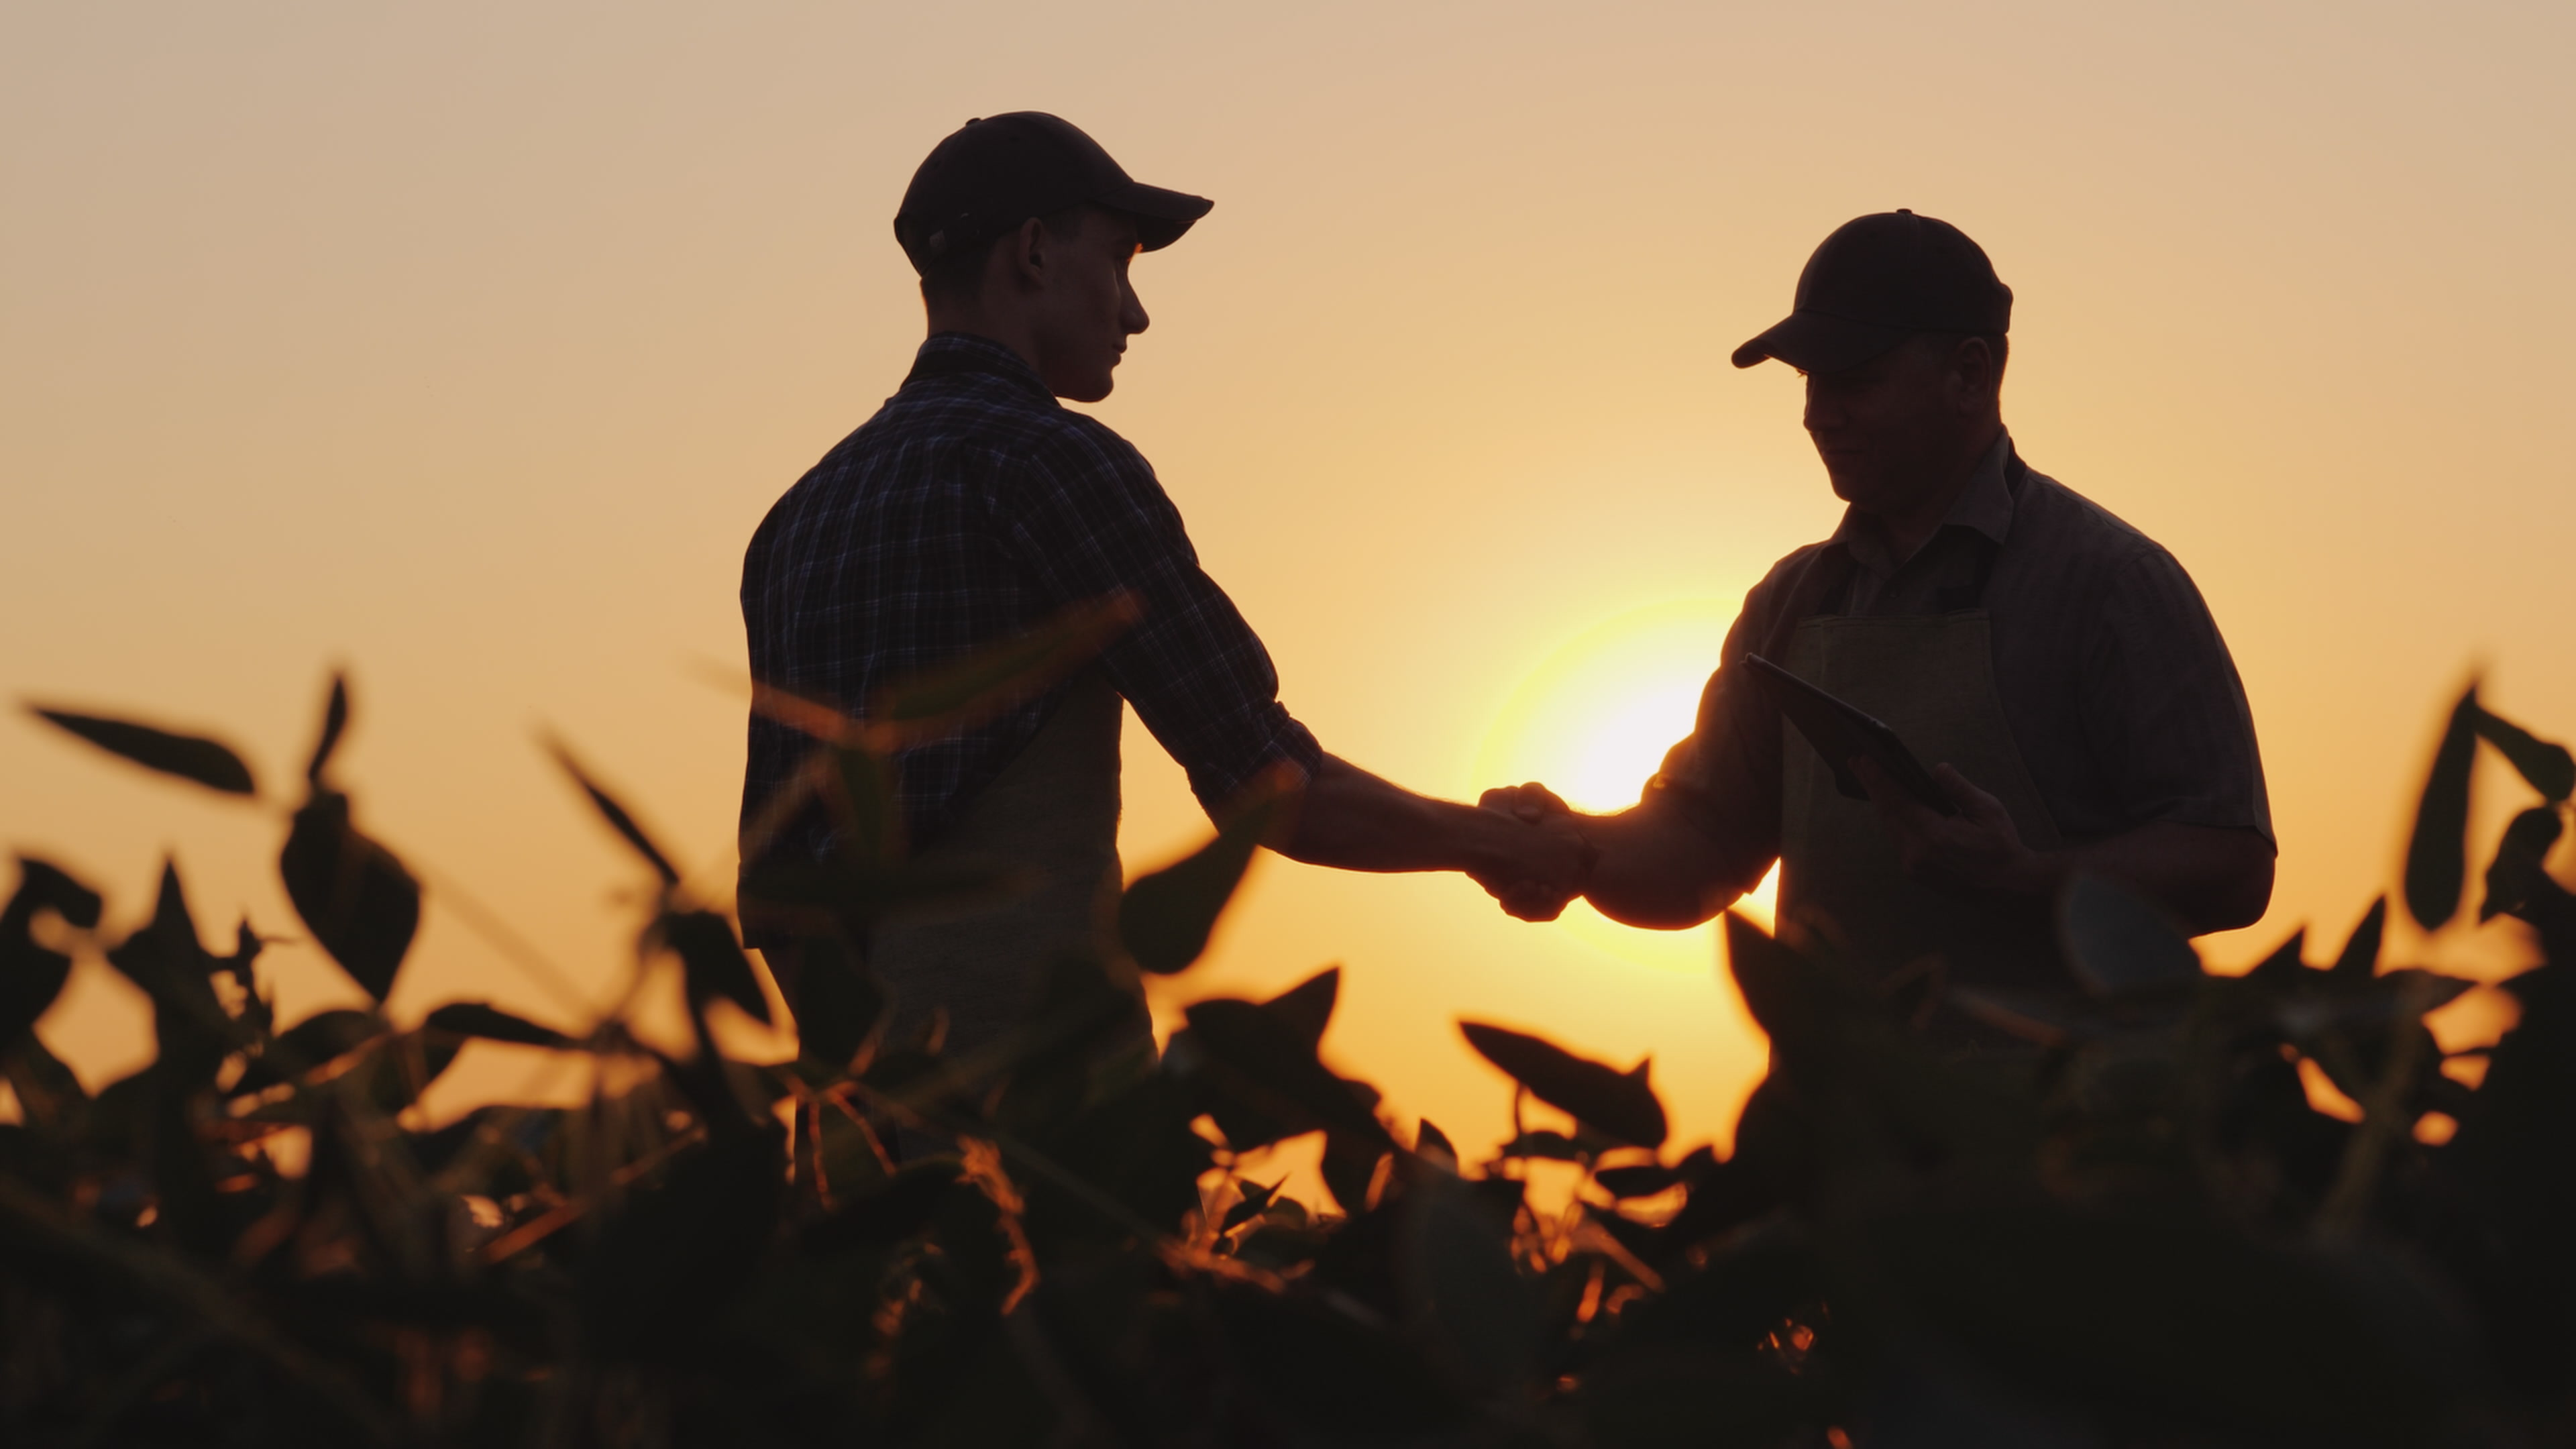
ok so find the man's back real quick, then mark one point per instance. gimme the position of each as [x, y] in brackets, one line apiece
[969, 508]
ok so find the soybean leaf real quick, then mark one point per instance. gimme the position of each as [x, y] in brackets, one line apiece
[1350, 1165]
[902, 1207]
[166, 958]
[967, 691]
[1553, 1146]
[335, 722]
[2515, 873]
[190, 757]
[1256, 1200]
[871, 822]
[2549, 768]
[835, 999]
[2359, 960]
[616, 815]
[2288, 962]
[32, 975]
[1165, 917]
[476, 1018]
[354, 895]
[1787, 997]
[2117, 942]
[2437, 855]
[1433, 1145]
[1457, 1272]
[1307, 1007]
[1264, 1082]
[1642, 1180]
[1617, 1104]
[711, 960]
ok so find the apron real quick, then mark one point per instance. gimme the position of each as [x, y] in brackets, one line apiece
[1052, 812]
[1932, 680]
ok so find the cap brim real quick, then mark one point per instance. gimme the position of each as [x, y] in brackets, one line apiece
[1815, 342]
[1161, 216]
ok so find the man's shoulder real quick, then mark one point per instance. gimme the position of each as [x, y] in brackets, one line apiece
[2054, 517]
[990, 419]
[1792, 569]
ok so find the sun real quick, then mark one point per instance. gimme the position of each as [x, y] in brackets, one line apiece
[1592, 722]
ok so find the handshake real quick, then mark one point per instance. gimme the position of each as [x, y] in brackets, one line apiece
[1544, 860]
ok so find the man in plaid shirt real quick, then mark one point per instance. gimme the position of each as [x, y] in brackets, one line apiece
[973, 506]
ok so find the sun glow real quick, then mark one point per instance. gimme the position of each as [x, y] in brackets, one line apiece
[1592, 722]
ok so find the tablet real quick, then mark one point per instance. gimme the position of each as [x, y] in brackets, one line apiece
[1840, 731]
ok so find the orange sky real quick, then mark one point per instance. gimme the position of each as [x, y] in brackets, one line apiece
[466, 345]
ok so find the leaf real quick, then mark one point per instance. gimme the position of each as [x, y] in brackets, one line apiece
[2117, 942]
[871, 818]
[1642, 1180]
[335, 722]
[480, 1019]
[32, 975]
[835, 999]
[1256, 1200]
[2437, 855]
[1165, 918]
[2288, 963]
[1307, 1007]
[1459, 1277]
[2549, 767]
[1263, 1080]
[965, 692]
[170, 963]
[1553, 1146]
[190, 757]
[1350, 1167]
[615, 814]
[354, 895]
[2122, 1305]
[2516, 871]
[904, 1207]
[1782, 991]
[1617, 1104]
[711, 960]
[665, 1267]
[1433, 1146]
[2359, 960]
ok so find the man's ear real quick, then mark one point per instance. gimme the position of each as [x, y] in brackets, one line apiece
[1974, 374]
[1028, 255]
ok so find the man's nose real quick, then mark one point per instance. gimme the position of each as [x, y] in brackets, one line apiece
[1821, 412]
[1132, 315]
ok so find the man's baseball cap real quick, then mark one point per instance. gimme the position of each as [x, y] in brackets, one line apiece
[996, 172]
[1878, 280]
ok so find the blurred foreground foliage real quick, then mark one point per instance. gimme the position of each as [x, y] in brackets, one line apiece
[2130, 1228]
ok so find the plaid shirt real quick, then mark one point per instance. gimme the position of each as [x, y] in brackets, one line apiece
[969, 508]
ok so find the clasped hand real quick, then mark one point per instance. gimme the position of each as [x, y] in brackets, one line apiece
[1558, 864]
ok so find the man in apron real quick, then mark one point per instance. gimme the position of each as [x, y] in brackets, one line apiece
[2054, 666]
[973, 506]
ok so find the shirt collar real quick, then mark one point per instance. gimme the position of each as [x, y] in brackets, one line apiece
[953, 354]
[1985, 506]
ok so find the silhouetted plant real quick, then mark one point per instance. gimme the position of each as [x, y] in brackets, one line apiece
[2129, 1228]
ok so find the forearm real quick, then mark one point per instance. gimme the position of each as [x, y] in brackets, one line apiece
[1353, 820]
[1660, 873]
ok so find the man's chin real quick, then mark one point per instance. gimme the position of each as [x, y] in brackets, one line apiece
[1088, 390]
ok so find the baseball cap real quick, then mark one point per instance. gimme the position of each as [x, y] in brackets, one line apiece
[1878, 280]
[996, 172]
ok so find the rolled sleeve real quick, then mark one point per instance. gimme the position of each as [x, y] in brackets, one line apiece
[1724, 779]
[2165, 707]
[1098, 521]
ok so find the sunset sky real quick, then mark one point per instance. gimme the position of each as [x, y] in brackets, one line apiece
[465, 345]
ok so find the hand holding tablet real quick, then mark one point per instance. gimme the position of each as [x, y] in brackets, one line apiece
[1840, 731]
